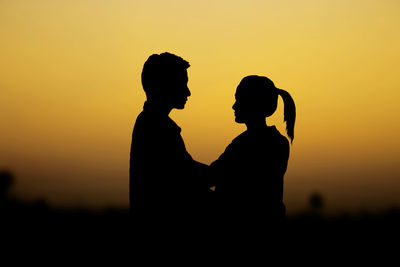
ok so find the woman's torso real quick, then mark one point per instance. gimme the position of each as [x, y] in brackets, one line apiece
[250, 174]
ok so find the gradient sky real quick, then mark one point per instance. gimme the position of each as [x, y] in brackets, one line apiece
[70, 91]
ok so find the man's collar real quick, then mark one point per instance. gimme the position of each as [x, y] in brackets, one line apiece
[151, 108]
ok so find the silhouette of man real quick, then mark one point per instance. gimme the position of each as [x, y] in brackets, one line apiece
[166, 185]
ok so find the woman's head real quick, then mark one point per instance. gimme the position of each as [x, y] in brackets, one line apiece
[257, 98]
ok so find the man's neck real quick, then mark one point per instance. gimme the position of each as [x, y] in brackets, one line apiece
[158, 107]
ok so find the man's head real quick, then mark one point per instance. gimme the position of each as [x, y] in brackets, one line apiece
[164, 80]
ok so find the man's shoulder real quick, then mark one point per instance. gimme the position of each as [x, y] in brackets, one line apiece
[145, 121]
[153, 123]
[143, 128]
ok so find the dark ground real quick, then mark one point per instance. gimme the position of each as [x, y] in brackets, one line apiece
[33, 222]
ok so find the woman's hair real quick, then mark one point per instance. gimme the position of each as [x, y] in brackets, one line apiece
[264, 92]
[289, 112]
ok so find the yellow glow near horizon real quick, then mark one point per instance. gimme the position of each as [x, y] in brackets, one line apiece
[70, 90]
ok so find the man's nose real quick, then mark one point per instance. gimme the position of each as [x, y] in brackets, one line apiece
[188, 91]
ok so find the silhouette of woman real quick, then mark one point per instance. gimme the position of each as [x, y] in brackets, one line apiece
[249, 174]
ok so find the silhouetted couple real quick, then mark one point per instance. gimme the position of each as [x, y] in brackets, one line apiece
[169, 190]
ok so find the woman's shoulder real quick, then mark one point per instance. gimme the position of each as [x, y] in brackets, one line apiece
[237, 143]
[274, 136]
[271, 134]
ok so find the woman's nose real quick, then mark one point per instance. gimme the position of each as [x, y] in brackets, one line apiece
[234, 106]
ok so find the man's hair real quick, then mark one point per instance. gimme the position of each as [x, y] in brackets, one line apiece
[158, 69]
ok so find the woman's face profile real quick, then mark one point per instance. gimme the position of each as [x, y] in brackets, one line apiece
[238, 112]
[245, 106]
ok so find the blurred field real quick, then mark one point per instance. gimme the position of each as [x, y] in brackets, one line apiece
[39, 216]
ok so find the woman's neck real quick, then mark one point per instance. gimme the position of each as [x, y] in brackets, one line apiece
[256, 125]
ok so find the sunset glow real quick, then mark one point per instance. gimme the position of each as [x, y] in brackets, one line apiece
[70, 91]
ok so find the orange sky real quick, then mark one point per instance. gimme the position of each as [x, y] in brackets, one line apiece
[70, 91]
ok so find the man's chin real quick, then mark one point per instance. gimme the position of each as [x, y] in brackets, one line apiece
[180, 105]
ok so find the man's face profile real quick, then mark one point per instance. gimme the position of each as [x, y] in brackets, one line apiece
[177, 91]
[165, 79]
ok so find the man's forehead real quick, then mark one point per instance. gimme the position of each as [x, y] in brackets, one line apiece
[179, 74]
[176, 76]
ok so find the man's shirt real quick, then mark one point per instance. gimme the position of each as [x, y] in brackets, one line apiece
[164, 179]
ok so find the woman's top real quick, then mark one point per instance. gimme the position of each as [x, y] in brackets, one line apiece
[249, 177]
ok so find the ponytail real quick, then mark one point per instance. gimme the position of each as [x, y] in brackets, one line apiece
[289, 112]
